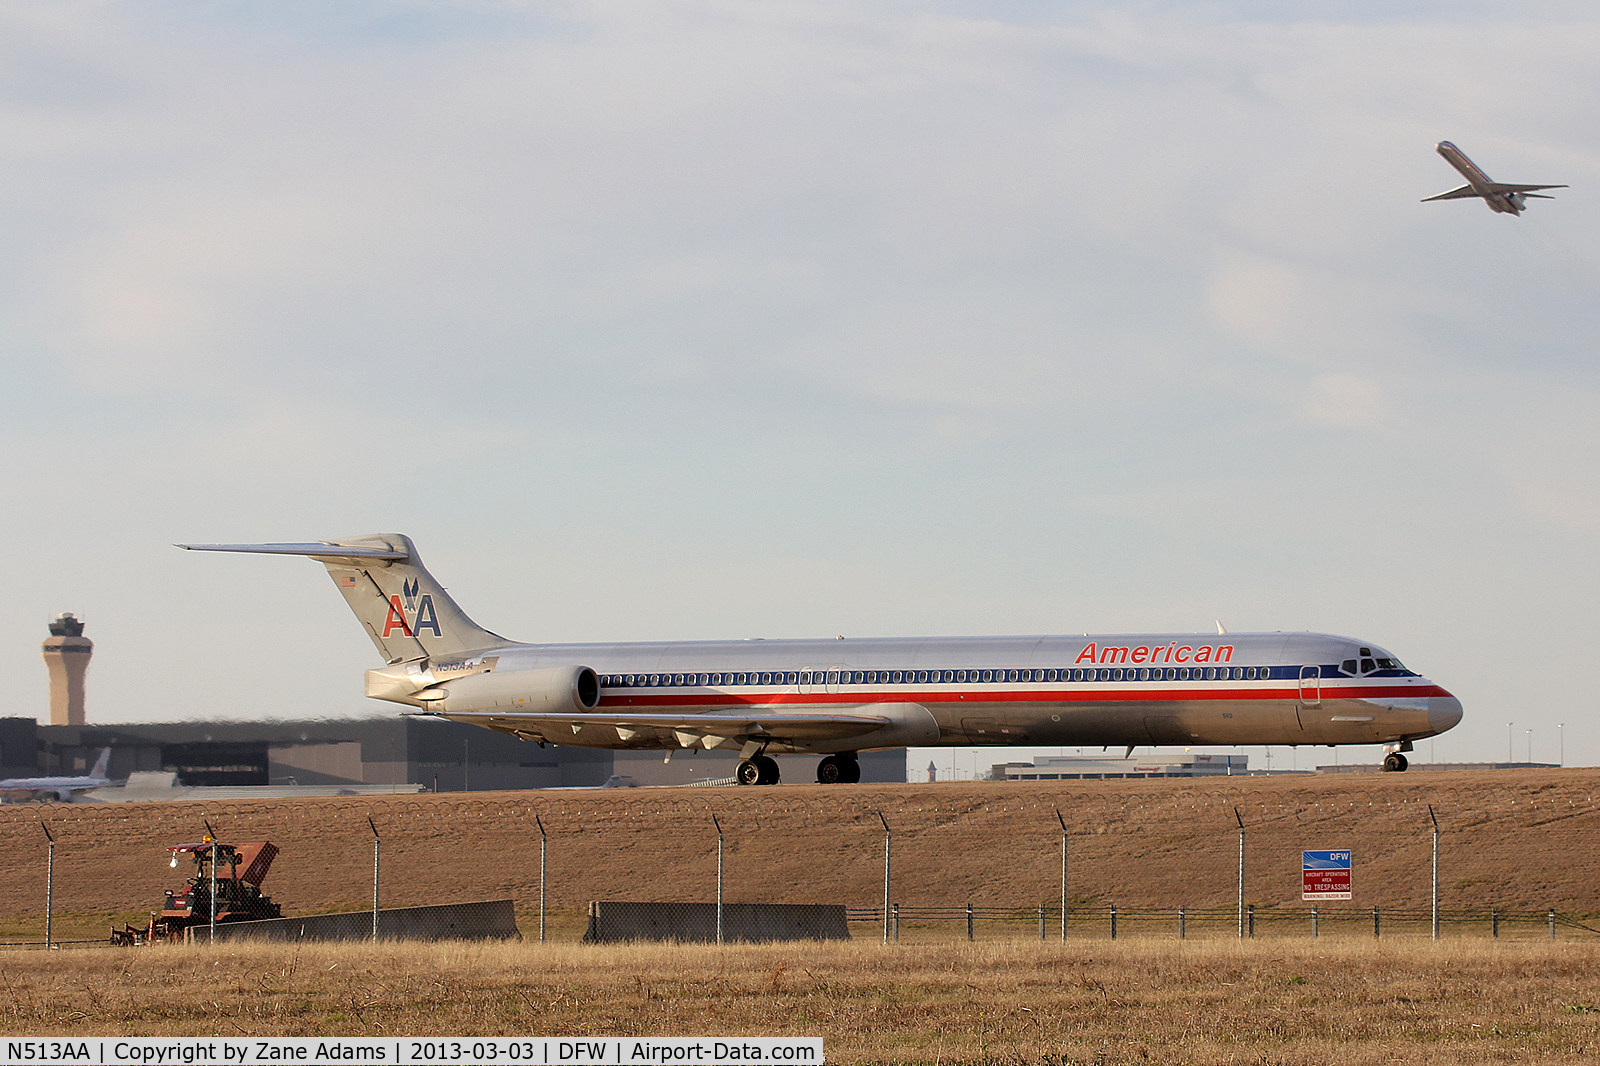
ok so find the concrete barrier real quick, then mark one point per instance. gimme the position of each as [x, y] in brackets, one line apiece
[488, 920]
[611, 921]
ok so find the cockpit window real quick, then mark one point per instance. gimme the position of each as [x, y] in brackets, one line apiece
[1348, 666]
[1389, 664]
[1367, 666]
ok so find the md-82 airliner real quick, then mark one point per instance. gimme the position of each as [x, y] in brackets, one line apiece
[1506, 199]
[839, 697]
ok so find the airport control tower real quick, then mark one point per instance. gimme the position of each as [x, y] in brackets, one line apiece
[66, 655]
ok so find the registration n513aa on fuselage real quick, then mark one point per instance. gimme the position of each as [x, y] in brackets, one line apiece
[839, 697]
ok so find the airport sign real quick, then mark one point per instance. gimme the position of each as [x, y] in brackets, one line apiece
[1325, 875]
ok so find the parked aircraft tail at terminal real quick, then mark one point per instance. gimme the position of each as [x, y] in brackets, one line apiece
[839, 697]
[1506, 199]
[64, 789]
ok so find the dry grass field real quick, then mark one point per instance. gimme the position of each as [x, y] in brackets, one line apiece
[1517, 840]
[1132, 1001]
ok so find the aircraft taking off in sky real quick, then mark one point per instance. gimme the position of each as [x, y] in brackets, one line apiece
[1507, 199]
[61, 788]
[839, 697]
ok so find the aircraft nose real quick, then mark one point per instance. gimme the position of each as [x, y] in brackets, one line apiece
[1443, 713]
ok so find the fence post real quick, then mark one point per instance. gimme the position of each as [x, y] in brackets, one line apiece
[1435, 819]
[1240, 820]
[888, 851]
[49, 882]
[1314, 921]
[1113, 921]
[211, 838]
[1041, 921]
[1494, 921]
[719, 877]
[1063, 822]
[1182, 922]
[1252, 915]
[1552, 923]
[897, 923]
[1377, 930]
[377, 851]
[543, 847]
[969, 920]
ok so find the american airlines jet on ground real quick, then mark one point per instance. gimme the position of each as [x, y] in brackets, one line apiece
[840, 697]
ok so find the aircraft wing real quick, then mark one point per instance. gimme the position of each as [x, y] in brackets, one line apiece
[1462, 193]
[1498, 187]
[759, 725]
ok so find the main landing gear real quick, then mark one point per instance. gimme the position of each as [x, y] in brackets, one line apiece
[841, 769]
[758, 770]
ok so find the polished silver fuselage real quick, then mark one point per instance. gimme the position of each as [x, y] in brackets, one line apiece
[1118, 689]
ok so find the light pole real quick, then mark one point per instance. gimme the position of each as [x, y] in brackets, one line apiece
[1530, 745]
[1509, 756]
[1561, 739]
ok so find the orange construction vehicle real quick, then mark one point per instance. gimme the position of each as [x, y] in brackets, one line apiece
[236, 871]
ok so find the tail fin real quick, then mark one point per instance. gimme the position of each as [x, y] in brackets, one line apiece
[101, 764]
[407, 613]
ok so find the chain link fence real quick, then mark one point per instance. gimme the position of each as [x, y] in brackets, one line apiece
[1147, 859]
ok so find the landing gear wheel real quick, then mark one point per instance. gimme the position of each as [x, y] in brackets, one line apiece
[758, 770]
[1394, 763]
[839, 770]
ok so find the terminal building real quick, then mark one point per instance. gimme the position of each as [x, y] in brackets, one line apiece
[397, 750]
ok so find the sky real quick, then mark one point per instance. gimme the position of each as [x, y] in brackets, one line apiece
[701, 319]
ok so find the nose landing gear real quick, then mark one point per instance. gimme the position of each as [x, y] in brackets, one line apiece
[1393, 761]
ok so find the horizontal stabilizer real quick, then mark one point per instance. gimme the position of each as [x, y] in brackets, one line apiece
[408, 615]
[322, 549]
[1463, 193]
[1497, 187]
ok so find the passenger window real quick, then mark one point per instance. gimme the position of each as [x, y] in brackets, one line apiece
[961, 677]
[1077, 675]
[705, 679]
[793, 678]
[988, 675]
[833, 679]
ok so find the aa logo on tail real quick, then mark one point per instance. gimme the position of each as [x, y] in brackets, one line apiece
[410, 612]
